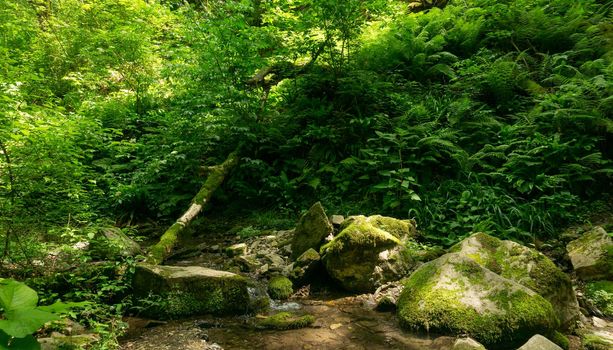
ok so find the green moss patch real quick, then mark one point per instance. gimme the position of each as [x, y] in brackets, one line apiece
[280, 288]
[285, 320]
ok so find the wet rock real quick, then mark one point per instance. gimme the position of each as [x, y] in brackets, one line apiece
[538, 342]
[189, 290]
[110, 243]
[467, 344]
[371, 251]
[312, 229]
[456, 295]
[304, 268]
[236, 249]
[592, 255]
[525, 266]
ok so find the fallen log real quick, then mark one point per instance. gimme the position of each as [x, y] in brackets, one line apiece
[217, 174]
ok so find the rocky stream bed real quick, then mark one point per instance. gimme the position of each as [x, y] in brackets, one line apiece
[370, 283]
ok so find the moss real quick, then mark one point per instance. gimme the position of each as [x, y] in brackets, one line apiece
[159, 251]
[285, 320]
[360, 234]
[421, 306]
[560, 339]
[280, 288]
[398, 228]
[595, 342]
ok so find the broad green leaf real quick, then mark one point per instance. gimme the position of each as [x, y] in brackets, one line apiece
[23, 322]
[15, 295]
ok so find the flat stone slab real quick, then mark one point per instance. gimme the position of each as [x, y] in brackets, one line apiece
[178, 291]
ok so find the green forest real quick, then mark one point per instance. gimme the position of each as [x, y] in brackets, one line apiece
[158, 159]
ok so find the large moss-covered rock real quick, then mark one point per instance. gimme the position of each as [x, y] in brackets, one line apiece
[177, 291]
[453, 294]
[110, 243]
[371, 251]
[527, 267]
[313, 227]
[592, 255]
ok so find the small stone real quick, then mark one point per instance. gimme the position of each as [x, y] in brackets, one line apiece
[335, 326]
[237, 249]
[467, 344]
[337, 220]
[214, 248]
[538, 342]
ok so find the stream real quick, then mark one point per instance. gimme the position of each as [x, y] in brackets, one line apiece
[341, 323]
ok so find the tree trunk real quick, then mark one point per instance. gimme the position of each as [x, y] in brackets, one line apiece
[163, 248]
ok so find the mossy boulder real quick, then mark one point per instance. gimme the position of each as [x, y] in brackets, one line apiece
[455, 295]
[592, 255]
[370, 251]
[167, 292]
[280, 288]
[110, 243]
[313, 227]
[525, 266]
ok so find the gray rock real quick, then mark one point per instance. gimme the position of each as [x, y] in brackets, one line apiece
[178, 291]
[455, 295]
[525, 266]
[538, 342]
[312, 229]
[110, 243]
[592, 255]
[467, 344]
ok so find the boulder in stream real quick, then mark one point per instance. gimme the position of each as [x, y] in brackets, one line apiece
[455, 295]
[370, 251]
[169, 292]
[525, 266]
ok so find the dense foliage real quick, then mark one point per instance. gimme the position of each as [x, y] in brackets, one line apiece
[483, 115]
